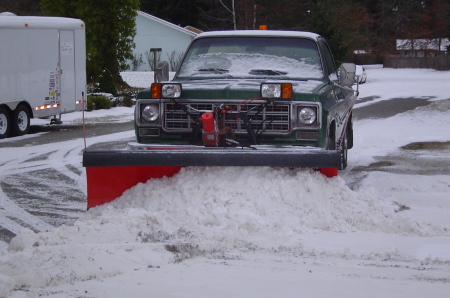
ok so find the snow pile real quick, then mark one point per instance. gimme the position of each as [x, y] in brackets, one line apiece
[255, 207]
[72, 254]
[199, 210]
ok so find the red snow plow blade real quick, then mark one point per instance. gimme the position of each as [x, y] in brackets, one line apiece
[104, 184]
[109, 173]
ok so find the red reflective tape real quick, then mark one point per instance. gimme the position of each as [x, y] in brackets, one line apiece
[46, 107]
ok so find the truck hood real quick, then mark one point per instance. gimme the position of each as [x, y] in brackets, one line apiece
[241, 89]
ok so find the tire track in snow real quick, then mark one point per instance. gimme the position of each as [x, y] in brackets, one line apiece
[28, 162]
[12, 210]
[60, 161]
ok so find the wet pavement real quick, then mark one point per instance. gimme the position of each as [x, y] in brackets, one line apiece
[387, 108]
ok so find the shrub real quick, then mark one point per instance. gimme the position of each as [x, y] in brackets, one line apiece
[127, 100]
[97, 102]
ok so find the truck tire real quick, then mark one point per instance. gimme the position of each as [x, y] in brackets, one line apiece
[350, 132]
[344, 152]
[331, 145]
[5, 123]
[331, 137]
[20, 124]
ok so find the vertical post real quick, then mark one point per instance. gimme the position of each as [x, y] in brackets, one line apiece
[155, 61]
[84, 123]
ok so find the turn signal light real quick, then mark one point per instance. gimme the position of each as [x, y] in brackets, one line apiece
[286, 90]
[156, 90]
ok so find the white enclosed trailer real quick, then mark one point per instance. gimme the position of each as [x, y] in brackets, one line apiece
[42, 70]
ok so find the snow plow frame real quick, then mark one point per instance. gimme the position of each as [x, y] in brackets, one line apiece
[111, 172]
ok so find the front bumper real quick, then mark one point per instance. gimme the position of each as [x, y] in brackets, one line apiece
[189, 155]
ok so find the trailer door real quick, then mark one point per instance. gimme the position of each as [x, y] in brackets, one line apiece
[67, 71]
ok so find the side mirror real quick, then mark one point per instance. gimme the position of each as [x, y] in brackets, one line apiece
[162, 71]
[347, 74]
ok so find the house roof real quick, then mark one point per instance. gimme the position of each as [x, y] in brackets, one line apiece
[423, 44]
[193, 29]
[168, 24]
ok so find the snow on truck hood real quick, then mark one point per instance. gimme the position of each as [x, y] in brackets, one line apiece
[306, 87]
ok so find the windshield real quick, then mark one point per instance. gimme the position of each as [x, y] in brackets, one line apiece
[252, 57]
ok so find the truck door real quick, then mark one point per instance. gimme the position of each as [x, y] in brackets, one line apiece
[67, 71]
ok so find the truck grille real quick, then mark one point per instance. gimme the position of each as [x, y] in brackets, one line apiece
[264, 119]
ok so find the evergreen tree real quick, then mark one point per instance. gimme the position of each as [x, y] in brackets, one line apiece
[106, 83]
[179, 12]
[21, 7]
[110, 30]
[438, 18]
[284, 14]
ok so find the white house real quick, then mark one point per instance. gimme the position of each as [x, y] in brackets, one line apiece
[422, 47]
[153, 32]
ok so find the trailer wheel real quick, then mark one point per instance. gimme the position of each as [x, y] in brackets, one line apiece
[20, 121]
[5, 123]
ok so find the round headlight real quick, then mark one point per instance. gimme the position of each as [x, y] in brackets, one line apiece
[150, 113]
[307, 116]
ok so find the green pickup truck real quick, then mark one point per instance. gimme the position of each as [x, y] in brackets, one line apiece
[239, 98]
[268, 90]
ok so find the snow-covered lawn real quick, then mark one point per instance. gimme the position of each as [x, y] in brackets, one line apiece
[262, 232]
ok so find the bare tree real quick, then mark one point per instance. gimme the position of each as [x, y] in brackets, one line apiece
[254, 15]
[137, 61]
[151, 58]
[232, 11]
[175, 60]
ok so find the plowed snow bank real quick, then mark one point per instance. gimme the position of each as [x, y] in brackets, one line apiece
[245, 207]
[198, 210]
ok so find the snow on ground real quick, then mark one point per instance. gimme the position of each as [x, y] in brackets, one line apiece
[425, 124]
[402, 82]
[261, 232]
[117, 114]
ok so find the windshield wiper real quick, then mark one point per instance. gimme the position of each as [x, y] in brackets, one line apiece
[268, 72]
[218, 70]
